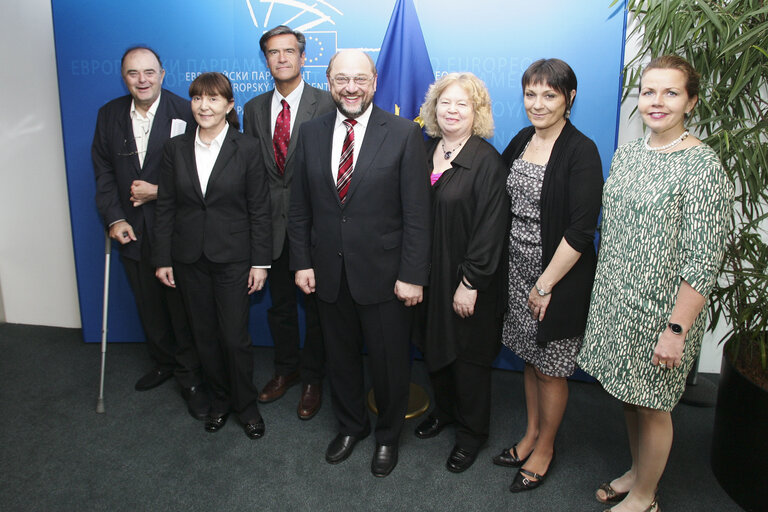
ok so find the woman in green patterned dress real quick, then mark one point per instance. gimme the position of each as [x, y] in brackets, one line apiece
[666, 209]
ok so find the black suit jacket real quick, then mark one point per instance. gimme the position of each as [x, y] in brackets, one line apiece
[231, 223]
[116, 164]
[257, 120]
[382, 232]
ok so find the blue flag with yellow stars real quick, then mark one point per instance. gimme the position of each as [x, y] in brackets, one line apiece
[405, 72]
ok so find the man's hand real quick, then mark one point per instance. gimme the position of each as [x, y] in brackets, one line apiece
[165, 275]
[142, 192]
[410, 294]
[122, 232]
[256, 279]
[305, 280]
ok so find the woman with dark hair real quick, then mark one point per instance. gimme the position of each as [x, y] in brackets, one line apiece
[464, 302]
[555, 183]
[667, 211]
[214, 240]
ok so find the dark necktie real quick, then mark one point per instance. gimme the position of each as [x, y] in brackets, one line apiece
[282, 136]
[345, 161]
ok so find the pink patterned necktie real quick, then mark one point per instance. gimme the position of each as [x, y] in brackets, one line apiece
[282, 136]
[345, 161]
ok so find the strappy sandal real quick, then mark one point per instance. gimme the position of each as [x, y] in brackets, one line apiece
[611, 496]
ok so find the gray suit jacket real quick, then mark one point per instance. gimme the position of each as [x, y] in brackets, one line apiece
[257, 123]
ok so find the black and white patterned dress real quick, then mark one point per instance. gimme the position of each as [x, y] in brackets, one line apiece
[558, 358]
[665, 218]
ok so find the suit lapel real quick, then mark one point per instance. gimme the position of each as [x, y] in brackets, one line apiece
[225, 154]
[161, 128]
[324, 153]
[129, 140]
[190, 164]
[306, 110]
[375, 135]
[265, 129]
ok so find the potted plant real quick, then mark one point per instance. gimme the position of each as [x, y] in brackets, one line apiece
[726, 41]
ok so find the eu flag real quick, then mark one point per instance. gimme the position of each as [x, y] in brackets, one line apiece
[405, 72]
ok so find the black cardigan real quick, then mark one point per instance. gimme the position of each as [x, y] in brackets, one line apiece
[570, 204]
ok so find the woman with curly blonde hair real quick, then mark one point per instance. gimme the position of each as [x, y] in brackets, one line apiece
[462, 312]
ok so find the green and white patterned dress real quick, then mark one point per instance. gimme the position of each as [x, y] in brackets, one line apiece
[665, 218]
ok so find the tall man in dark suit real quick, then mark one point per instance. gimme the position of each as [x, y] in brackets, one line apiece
[359, 233]
[127, 151]
[274, 117]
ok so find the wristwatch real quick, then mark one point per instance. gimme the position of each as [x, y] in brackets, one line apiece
[541, 291]
[676, 328]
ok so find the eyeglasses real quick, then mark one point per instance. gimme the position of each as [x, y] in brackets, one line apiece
[360, 80]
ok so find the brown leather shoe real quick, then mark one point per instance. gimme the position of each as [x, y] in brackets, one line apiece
[277, 387]
[311, 400]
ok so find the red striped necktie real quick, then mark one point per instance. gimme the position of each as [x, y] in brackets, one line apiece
[345, 162]
[282, 136]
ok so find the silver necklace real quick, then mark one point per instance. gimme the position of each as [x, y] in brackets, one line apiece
[447, 154]
[672, 144]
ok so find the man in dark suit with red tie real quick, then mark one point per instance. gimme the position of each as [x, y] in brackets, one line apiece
[274, 118]
[360, 236]
[127, 151]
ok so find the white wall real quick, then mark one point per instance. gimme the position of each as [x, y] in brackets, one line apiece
[37, 273]
[37, 270]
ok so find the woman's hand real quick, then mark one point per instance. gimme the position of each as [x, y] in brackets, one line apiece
[669, 349]
[538, 304]
[464, 301]
[256, 279]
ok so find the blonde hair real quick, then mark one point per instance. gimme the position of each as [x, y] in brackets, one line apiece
[478, 94]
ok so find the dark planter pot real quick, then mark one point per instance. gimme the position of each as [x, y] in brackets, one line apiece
[740, 439]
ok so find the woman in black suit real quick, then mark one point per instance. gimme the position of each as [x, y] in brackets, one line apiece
[213, 234]
[464, 302]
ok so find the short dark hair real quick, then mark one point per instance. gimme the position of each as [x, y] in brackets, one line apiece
[279, 31]
[674, 62]
[211, 84]
[140, 47]
[555, 73]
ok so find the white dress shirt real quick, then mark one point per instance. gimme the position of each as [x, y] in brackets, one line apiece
[206, 154]
[340, 132]
[142, 126]
[293, 99]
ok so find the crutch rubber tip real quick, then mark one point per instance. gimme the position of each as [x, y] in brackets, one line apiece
[100, 405]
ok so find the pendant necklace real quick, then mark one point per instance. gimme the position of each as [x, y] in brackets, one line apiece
[447, 154]
[672, 144]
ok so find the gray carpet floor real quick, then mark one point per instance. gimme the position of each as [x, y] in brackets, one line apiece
[147, 453]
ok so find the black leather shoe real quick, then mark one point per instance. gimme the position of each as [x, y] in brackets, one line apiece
[460, 460]
[153, 378]
[430, 427]
[254, 430]
[384, 460]
[523, 482]
[198, 402]
[214, 423]
[510, 460]
[340, 448]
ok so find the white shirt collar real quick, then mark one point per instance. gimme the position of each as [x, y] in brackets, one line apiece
[362, 119]
[216, 142]
[293, 98]
[150, 112]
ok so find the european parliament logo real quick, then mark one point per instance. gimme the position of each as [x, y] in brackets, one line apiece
[301, 16]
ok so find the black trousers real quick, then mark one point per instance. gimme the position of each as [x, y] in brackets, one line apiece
[283, 321]
[216, 297]
[164, 319]
[384, 328]
[463, 394]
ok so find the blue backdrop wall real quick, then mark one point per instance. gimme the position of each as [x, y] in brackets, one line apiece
[495, 39]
